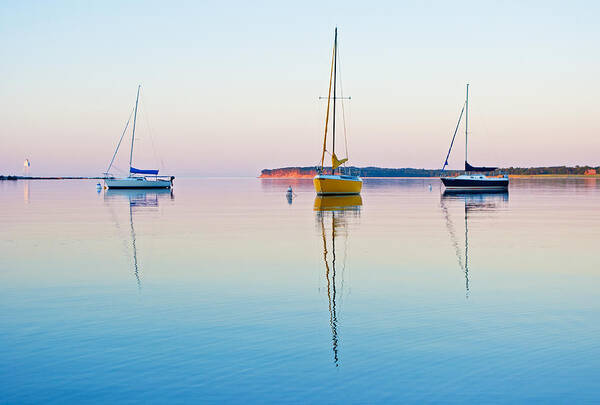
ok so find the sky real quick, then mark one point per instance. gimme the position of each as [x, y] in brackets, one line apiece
[230, 88]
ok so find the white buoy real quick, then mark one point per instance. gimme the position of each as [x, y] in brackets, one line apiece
[430, 187]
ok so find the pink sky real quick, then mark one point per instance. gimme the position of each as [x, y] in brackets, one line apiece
[230, 94]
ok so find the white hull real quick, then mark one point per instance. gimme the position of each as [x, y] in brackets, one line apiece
[138, 182]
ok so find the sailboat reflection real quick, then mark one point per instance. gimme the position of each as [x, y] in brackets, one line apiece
[138, 199]
[342, 210]
[474, 202]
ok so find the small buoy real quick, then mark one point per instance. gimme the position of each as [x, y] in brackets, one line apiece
[430, 187]
[289, 190]
[98, 185]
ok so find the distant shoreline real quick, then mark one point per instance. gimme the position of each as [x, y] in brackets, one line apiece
[512, 176]
[297, 172]
[310, 176]
[583, 176]
[49, 178]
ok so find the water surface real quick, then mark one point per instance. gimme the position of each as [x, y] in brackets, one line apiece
[224, 290]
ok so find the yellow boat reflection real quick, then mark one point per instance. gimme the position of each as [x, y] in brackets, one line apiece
[342, 211]
[338, 203]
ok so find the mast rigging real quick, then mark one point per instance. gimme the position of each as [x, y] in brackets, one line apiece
[134, 119]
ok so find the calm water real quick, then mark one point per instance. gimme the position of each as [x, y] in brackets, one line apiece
[225, 291]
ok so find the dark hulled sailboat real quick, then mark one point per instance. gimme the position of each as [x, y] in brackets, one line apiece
[473, 179]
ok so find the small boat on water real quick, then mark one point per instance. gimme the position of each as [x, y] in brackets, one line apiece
[334, 183]
[473, 179]
[138, 178]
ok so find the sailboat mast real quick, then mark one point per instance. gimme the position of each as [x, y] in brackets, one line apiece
[134, 119]
[334, 87]
[466, 122]
[327, 115]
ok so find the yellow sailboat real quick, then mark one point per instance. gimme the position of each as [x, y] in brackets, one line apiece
[334, 184]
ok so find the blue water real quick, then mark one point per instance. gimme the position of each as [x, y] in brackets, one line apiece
[224, 291]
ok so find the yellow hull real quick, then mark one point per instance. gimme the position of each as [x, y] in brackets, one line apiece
[336, 184]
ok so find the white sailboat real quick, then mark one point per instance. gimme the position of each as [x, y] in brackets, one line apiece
[138, 178]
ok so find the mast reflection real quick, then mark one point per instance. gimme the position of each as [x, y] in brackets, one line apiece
[26, 191]
[138, 200]
[473, 202]
[341, 210]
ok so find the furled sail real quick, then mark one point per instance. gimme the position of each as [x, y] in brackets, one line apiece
[469, 168]
[335, 162]
[142, 171]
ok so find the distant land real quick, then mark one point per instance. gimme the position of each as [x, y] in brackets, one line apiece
[310, 171]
